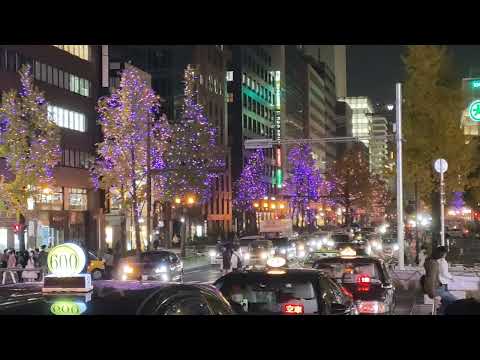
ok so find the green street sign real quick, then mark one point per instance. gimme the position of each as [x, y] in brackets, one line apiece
[474, 110]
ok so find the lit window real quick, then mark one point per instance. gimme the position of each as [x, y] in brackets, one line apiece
[66, 118]
[77, 199]
[81, 51]
[229, 75]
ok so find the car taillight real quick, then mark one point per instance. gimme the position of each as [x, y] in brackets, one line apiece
[370, 307]
[292, 309]
[363, 282]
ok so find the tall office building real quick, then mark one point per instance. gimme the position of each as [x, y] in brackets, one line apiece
[255, 108]
[69, 75]
[343, 120]
[334, 56]
[378, 146]
[166, 65]
[362, 109]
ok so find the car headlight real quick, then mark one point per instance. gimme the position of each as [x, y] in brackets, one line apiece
[396, 247]
[324, 241]
[165, 277]
[161, 269]
[319, 246]
[127, 269]
[263, 255]
[246, 256]
[283, 251]
[301, 254]
[212, 253]
[301, 247]
[330, 243]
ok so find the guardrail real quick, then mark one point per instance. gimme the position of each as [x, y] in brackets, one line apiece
[14, 271]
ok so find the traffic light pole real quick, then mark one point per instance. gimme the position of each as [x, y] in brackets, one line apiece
[398, 138]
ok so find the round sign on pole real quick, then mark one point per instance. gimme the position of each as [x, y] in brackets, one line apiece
[440, 165]
[474, 110]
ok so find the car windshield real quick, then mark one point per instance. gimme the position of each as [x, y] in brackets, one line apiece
[341, 238]
[269, 295]
[347, 271]
[280, 242]
[260, 244]
[154, 257]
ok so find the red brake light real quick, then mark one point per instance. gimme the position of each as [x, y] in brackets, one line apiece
[292, 309]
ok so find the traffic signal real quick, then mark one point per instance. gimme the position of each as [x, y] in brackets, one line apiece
[16, 228]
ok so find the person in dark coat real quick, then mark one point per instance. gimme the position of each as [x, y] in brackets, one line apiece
[227, 258]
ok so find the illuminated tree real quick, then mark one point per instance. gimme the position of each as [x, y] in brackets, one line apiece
[193, 159]
[379, 199]
[30, 146]
[250, 186]
[434, 102]
[303, 183]
[128, 118]
[350, 179]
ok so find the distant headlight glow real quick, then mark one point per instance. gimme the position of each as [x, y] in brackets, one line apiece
[161, 269]
[127, 269]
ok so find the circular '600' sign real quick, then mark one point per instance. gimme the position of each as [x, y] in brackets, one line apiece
[66, 260]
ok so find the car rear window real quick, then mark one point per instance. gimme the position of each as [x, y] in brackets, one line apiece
[270, 295]
[347, 271]
[154, 257]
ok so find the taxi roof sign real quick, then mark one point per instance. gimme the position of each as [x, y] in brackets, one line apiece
[348, 251]
[276, 262]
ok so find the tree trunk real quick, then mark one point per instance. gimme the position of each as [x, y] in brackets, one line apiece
[21, 232]
[138, 243]
[149, 188]
[183, 234]
[123, 226]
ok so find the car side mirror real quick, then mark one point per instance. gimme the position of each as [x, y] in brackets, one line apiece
[339, 309]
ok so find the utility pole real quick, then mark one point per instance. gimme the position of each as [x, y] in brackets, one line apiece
[400, 234]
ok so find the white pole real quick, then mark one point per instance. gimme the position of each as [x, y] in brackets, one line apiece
[400, 235]
[442, 209]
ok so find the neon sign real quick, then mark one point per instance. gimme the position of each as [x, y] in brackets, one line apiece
[66, 260]
[474, 110]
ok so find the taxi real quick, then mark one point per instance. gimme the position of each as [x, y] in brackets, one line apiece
[319, 254]
[279, 290]
[111, 297]
[68, 290]
[96, 266]
[366, 278]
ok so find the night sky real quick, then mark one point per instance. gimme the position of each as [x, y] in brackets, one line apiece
[373, 70]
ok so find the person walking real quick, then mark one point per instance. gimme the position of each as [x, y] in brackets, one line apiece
[28, 274]
[11, 263]
[109, 262]
[42, 261]
[236, 259]
[227, 258]
[4, 259]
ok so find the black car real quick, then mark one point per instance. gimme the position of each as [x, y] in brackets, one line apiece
[366, 278]
[151, 265]
[285, 292]
[115, 298]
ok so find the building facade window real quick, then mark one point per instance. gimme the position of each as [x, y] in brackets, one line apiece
[58, 78]
[67, 119]
[75, 158]
[77, 199]
[81, 51]
[50, 199]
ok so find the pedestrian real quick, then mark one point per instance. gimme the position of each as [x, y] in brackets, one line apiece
[175, 240]
[236, 259]
[109, 263]
[156, 244]
[36, 257]
[117, 253]
[42, 260]
[28, 274]
[436, 278]
[4, 259]
[227, 258]
[11, 263]
[422, 256]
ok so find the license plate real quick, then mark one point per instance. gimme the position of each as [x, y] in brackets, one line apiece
[144, 277]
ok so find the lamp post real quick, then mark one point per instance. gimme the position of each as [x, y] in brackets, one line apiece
[184, 203]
